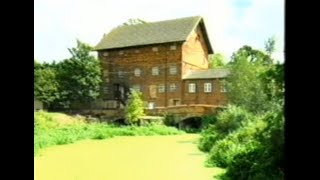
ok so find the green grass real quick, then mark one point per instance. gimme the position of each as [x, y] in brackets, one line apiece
[172, 157]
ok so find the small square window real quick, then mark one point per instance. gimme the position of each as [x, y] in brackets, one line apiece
[173, 70]
[192, 87]
[173, 87]
[154, 49]
[207, 87]
[121, 52]
[137, 72]
[120, 74]
[155, 71]
[105, 54]
[161, 88]
[106, 89]
[173, 47]
[105, 73]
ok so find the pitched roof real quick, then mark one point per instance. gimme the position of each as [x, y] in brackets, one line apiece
[176, 30]
[207, 74]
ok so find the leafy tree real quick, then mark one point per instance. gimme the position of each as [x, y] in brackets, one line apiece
[135, 107]
[80, 76]
[270, 45]
[245, 84]
[46, 86]
[216, 60]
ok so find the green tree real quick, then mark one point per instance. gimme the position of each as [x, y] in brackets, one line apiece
[46, 86]
[245, 85]
[135, 107]
[80, 76]
[216, 60]
[270, 45]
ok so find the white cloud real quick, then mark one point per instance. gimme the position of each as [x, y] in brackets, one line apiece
[58, 23]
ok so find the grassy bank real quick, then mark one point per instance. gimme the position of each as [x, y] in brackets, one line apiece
[57, 129]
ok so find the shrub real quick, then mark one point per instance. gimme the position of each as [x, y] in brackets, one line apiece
[243, 139]
[266, 160]
[227, 121]
[170, 120]
[208, 120]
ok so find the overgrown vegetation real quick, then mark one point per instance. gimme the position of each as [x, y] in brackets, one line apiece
[71, 81]
[248, 137]
[52, 129]
[227, 121]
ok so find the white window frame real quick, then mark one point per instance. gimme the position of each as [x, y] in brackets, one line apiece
[173, 87]
[192, 87]
[161, 88]
[137, 72]
[207, 87]
[173, 70]
[155, 71]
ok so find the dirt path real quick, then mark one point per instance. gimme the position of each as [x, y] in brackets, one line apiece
[126, 158]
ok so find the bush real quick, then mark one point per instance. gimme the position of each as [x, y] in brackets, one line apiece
[170, 120]
[227, 121]
[263, 161]
[208, 120]
[243, 139]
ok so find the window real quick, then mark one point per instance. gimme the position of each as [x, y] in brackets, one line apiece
[155, 71]
[192, 87]
[121, 52]
[120, 74]
[173, 70]
[105, 73]
[110, 104]
[173, 47]
[151, 105]
[105, 54]
[176, 102]
[223, 86]
[173, 87]
[136, 51]
[207, 87]
[106, 89]
[137, 72]
[155, 49]
[136, 87]
[161, 88]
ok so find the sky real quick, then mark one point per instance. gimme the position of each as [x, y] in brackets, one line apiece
[230, 23]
